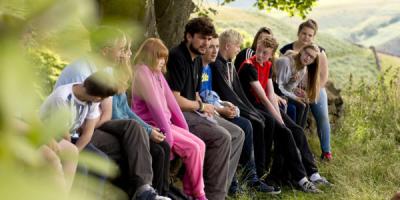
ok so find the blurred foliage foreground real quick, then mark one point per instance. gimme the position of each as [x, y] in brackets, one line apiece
[27, 73]
[366, 145]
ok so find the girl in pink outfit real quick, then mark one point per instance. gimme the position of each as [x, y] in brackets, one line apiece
[153, 101]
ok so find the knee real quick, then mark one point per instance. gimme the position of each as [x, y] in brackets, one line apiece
[49, 154]
[69, 147]
[225, 137]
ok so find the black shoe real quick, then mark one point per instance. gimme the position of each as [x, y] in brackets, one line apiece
[235, 189]
[260, 186]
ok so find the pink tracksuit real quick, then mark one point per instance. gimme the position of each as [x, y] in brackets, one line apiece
[153, 101]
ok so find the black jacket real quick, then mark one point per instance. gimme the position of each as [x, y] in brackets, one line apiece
[235, 94]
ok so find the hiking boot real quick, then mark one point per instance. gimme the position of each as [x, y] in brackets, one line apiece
[260, 186]
[326, 156]
[322, 181]
[309, 187]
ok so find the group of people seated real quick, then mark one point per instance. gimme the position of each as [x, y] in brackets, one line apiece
[203, 101]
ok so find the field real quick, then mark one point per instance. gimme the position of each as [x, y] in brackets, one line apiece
[366, 144]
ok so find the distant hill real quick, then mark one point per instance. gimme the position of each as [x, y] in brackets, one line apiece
[369, 23]
[344, 57]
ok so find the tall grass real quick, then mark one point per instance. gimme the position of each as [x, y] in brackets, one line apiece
[365, 144]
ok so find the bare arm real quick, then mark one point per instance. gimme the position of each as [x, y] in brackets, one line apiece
[266, 101]
[186, 104]
[106, 111]
[86, 134]
[324, 71]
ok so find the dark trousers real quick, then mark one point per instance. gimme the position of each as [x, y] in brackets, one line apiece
[262, 141]
[290, 147]
[160, 153]
[247, 156]
[126, 142]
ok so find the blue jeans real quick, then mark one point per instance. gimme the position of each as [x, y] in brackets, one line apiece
[297, 112]
[320, 113]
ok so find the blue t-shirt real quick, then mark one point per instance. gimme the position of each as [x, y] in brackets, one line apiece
[206, 92]
[206, 76]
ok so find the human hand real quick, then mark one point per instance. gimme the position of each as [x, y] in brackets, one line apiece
[156, 136]
[228, 112]
[209, 109]
[299, 92]
[281, 101]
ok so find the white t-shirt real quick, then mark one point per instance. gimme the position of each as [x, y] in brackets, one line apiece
[63, 97]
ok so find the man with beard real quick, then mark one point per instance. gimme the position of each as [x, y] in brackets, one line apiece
[223, 139]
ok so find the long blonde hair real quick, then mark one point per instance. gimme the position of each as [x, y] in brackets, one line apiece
[312, 71]
[149, 52]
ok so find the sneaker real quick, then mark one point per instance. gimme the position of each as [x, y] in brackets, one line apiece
[326, 156]
[260, 186]
[150, 194]
[235, 189]
[322, 181]
[309, 187]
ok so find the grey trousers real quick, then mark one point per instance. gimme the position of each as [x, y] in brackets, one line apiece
[224, 142]
[127, 141]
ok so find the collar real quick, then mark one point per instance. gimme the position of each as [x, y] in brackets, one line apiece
[253, 60]
[182, 46]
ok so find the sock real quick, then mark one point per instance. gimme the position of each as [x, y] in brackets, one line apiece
[143, 188]
[303, 180]
[315, 176]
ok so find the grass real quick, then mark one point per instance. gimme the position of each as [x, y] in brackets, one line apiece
[366, 147]
[366, 141]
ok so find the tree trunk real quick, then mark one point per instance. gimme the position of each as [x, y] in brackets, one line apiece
[172, 15]
[160, 18]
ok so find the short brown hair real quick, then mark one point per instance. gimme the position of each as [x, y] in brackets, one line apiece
[310, 23]
[101, 84]
[150, 51]
[261, 30]
[201, 25]
[269, 42]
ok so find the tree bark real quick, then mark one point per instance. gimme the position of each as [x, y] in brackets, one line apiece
[172, 16]
[159, 18]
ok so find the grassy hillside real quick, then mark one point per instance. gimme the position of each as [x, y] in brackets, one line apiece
[373, 22]
[366, 142]
[344, 58]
